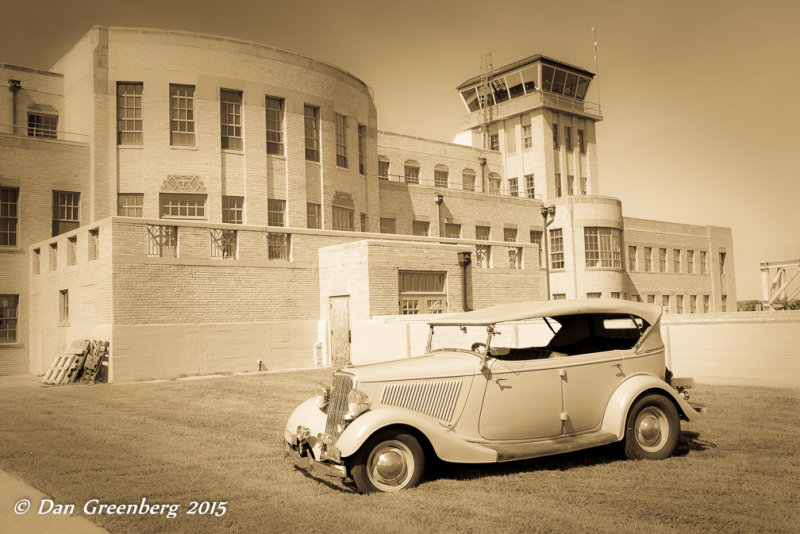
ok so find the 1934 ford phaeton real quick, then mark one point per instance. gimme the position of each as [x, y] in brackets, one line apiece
[503, 383]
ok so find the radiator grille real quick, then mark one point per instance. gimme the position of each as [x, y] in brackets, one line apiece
[337, 406]
[436, 398]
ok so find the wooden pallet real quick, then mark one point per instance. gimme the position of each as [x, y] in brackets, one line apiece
[66, 368]
[94, 361]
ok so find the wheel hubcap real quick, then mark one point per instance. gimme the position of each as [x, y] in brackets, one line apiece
[652, 429]
[390, 465]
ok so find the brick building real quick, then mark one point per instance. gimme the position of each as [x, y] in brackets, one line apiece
[205, 203]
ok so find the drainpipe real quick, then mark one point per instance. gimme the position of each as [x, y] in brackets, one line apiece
[13, 86]
[464, 259]
[549, 215]
[482, 161]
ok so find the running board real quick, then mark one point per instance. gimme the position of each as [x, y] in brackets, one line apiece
[535, 449]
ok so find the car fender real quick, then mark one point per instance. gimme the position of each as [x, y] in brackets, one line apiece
[448, 445]
[628, 391]
[307, 415]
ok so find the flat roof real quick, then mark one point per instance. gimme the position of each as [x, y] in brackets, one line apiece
[528, 60]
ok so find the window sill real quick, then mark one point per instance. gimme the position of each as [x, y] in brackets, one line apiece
[277, 156]
[11, 346]
[11, 250]
[178, 147]
[233, 151]
[131, 147]
[313, 162]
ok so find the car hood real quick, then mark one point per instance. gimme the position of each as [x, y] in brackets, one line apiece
[437, 365]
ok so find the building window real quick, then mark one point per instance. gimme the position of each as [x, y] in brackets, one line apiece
[421, 228]
[422, 292]
[37, 260]
[706, 303]
[383, 168]
[581, 142]
[662, 260]
[341, 140]
[556, 249]
[679, 303]
[665, 303]
[648, 259]
[65, 211]
[536, 239]
[513, 187]
[162, 241]
[676, 260]
[129, 113]
[181, 123]
[583, 185]
[411, 172]
[468, 180]
[72, 250]
[559, 191]
[690, 261]
[278, 246]
[593, 295]
[362, 138]
[53, 257]
[441, 176]
[63, 305]
[452, 231]
[494, 142]
[482, 233]
[130, 204]
[570, 185]
[555, 137]
[9, 305]
[388, 225]
[559, 296]
[343, 219]
[636, 298]
[568, 137]
[722, 256]
[223, 243]
[632, 259]
[312, 132]
[9, 215]
[44, 126]
[510, 235]
[314, 215]
[483, 256]
[494, 184]
[182, 206]
[651, 299]
[274, 126]
[693, 304]
[230, 112]
[232, 210]
[724, 303]
[530, 186]
[615, 295]
[527, 138]
[276, 212]
[703, 261]
[515, 257]
[603, 247]
[94, 244]
[363, 222]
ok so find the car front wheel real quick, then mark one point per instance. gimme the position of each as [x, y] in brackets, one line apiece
[390, 460]
[652, 429]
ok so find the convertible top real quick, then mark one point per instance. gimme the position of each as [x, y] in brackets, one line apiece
[519, 311]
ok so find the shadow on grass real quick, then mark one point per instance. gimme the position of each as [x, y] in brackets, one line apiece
[342, 486]
[690, 441]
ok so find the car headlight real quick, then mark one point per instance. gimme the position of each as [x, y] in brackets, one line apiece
[357, 403]
[322, 396]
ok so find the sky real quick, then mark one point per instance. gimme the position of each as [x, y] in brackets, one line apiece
[700, 123]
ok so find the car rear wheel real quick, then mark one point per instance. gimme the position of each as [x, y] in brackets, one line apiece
[390, 460]
[652, 429]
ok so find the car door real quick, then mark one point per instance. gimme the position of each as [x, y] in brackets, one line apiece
[522, 399]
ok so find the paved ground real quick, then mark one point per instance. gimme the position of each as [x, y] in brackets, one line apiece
[16, 496]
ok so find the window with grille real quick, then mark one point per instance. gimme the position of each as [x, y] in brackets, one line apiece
[452, 231]
[690, 261]
[676, 260]
[66, 214]
[9, 216]
[276, 212]
[362, 139]
[223, 243]
[383, 168]
[44, 126]
[568, 137]
[632, 259]
[581, 142]
[440, 176]
[129, 113]
[421, 228]
[662, 260]
[9, 306]
[53, 257]
[603, 248]
[513, 187]
[182, 206]
[483, 256]
[72, 250]
[510, 235]
[494, 184]
[343, 219]
[314, 215]
[388, 226]
[555, 137]
[411, 172]
[468, 179]
[232, 210]
[94, 244]
[63, 305]
[181, 120]
[556, 248]
[275, 125]
[230, 112]
[648, 259]
[312, 132]
[162, 241]
[530, 187]
[341, 140]
[703, 266]
[527, 138]
[494, 142]
[130, 204]
[278, 246]
[558, 184]
[483, 233]
[422, 292]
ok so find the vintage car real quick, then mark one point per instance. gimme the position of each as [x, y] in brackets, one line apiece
[502, 383]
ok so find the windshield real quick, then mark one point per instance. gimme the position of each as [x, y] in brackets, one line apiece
[505, 335]
[457, 337]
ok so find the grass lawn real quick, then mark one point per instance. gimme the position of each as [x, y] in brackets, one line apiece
[221, 440]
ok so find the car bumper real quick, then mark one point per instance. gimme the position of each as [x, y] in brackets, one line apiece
[302, 448]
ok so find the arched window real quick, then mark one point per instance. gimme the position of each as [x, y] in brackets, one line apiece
[468, 180]
[383, 168]
[411, 172]
[441, 175]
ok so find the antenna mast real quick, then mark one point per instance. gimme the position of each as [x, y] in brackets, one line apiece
[485, 96]
[596, 63]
